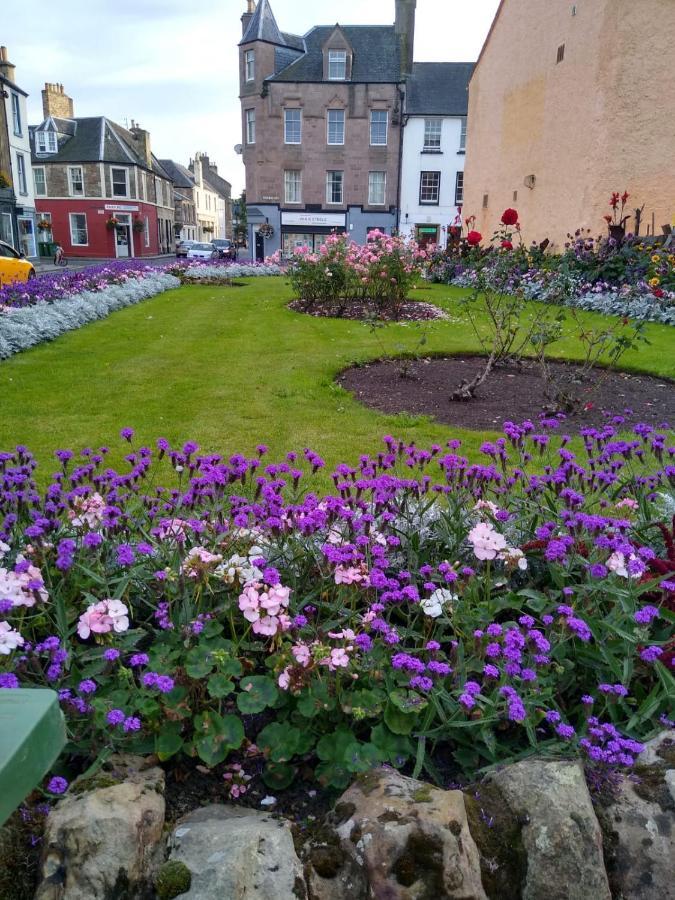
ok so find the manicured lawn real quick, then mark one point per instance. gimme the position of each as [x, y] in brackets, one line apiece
[231, 368]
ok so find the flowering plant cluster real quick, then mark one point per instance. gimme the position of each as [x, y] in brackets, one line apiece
[427, 605]
[382, 271]
[634, 278]
[49, 312]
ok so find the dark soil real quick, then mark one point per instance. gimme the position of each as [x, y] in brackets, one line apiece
[423, 387]
[410, 311]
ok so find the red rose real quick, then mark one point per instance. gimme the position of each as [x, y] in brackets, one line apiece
[507, 245]
[510, 216]
[474, 238]
[658, 292]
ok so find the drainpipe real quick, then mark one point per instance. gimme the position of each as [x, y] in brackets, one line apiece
[404, 119]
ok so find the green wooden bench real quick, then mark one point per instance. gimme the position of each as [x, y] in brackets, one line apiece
[32, 734]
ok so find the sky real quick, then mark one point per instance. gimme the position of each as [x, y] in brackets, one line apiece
[172, 65]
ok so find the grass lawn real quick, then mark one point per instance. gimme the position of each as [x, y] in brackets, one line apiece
[232, 367]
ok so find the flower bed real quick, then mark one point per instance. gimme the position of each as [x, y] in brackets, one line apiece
[632, 279]
[342, 274]
[195, 272]
[427, 607]
[49, 311]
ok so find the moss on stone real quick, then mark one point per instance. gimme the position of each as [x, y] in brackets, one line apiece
[421, 863]
[327, 860]
[173, 879]
[422, 794]
[95, 782]
[497, 833]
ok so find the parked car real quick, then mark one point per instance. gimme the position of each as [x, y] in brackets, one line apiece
[182, 248]
[226, 249]
[14, 266]
[202, 251]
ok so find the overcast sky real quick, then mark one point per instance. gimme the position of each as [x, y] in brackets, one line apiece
[172, 64]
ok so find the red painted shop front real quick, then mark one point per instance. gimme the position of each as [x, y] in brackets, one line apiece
[102, 229]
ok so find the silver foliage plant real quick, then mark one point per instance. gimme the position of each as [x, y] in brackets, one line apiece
[21, 329]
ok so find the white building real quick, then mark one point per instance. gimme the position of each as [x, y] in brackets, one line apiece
[19, 159]
[434, 140]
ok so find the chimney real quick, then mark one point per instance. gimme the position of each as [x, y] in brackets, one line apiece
[55, 102]
[6, 67]
[248, 15]
[196, 167]
[142, 141]
[405, 29]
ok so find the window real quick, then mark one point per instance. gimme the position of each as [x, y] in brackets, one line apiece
[462, 133]
[459, 188]
[432, 134]
[44, 228]
[250, 126]
[337, 65]
[334, 187]
[249, 56]
[45, 142]
[430, 187]
[292, 126]
[292, 186]
[142, 186]
[377, 183]
[561, 54]
[120, 187]
[379, 119]
[16, 114]
[40, 182]
[336, 126]
[146, 231]
[76, 181]
[78, 230]
[159, 194]
[21, 173]
[6, 231]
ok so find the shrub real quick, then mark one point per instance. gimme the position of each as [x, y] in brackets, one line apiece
[483, 611]
[380, 272]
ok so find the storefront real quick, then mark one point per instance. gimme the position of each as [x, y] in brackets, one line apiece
[309, 229]
[426, 235]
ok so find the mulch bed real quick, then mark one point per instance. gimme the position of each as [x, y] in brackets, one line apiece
[410, 311]
[423, 387]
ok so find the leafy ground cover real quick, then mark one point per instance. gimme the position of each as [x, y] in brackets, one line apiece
[427, 608]
[234, 367]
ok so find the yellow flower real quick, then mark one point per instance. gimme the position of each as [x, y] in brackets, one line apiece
[654, 282]
[656, 259]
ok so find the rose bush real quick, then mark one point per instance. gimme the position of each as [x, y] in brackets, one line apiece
[428, 607]
[382, 271]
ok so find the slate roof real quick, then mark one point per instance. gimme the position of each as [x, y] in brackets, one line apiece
[377, 55]
[92, 139]
[438, 89]
[263, 27]
[218, 184]
[181, 176]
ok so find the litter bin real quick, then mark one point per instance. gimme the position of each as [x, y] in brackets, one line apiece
[46, 248]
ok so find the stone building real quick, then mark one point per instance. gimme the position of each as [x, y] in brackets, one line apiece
[205, 199]
[434, 148]
[321, 120]
[100, 191]
[569, 102]
[17, 199]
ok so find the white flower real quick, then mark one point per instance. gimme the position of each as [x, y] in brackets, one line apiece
[514, 558]
[433, 606]
[9, 639]
[617, 564]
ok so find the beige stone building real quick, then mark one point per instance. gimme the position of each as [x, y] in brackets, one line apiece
[567, 103]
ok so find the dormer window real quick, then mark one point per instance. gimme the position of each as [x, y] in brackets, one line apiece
[249, 58]
[45, 142]
[337, 65]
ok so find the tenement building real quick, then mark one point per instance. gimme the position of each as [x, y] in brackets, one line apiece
[434, 148]
[100, 191]
[568, 102]
[322, 120]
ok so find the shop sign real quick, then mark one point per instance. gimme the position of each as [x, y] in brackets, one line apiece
[116, 207]
[325, 220]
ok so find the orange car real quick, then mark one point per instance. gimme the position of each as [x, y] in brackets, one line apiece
[13, 266]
